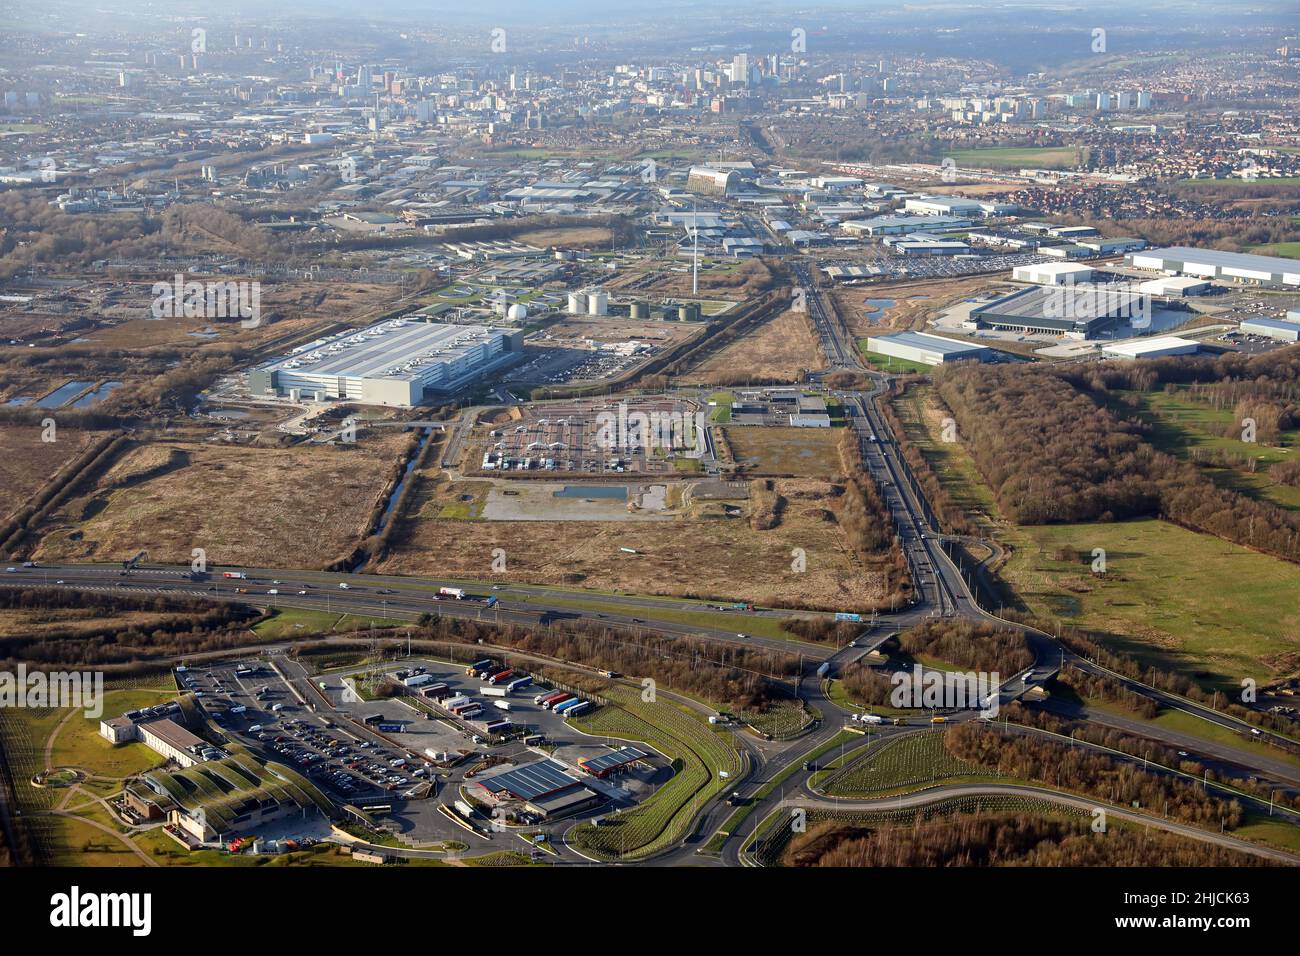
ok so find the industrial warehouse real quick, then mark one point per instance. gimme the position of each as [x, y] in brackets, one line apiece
[1243, 268]
[1080, 312]
[391, 363]
[926, 348]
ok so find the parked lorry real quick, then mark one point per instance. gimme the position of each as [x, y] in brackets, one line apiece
[501, 676]
[487, 690]
[517, 683]
[501, 704]
[550, 700]
[565, 706]
[481, 665]
[579, 708]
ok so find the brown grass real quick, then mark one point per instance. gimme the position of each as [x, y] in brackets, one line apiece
[291, 507]
[778, 351]
[700, 554]
[26, 462]
[909, 313]
[809, 452]
[582, 237]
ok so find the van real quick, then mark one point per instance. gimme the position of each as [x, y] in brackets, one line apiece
[255, 728]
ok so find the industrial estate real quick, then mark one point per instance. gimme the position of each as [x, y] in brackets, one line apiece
[718, 440]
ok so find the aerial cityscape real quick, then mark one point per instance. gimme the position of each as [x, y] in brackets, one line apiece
[691, 435]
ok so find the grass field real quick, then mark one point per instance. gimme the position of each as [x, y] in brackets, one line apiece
[1286, 250]
[1015, 157]
[79, 744]
[699, 553]
[27, 462]
[1183, 425]
[1166, 600]
[922, 416]
[298, 622]
[899, 762]
[1172, 598]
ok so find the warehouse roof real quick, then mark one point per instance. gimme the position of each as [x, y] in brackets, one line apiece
[612, 761]
[1229, 260]
[386, 349]
[1284, 325]
[1062, 303]
[1136, 347]
[531, 781]
[930, 343]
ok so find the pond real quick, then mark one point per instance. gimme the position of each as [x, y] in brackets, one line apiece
[618, 492]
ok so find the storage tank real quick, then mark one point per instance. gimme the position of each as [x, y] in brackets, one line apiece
[689, 312]
[577, 303]
[639, 310]
[517, 312]
[598, 303]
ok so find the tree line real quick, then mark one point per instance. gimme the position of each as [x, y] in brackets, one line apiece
[1052, 454]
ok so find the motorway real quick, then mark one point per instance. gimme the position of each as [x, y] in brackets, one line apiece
[941, 589]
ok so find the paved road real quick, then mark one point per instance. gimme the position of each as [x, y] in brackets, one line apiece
[941, 589]
[936, 794]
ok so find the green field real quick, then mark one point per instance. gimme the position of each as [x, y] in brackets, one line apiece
[901, 762]
[1172, 598]
[1182, 425]
[299, 622]
[889, 363]
[1015, 157]
[1287, 250]
[79, 744]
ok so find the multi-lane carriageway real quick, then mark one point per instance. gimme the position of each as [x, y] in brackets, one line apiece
[940, 589]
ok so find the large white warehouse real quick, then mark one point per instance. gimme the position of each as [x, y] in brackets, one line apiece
[1269, 271]
[1053, 273]
[926, 348]
[392, 363]
[1156, 347]
[1280, 329]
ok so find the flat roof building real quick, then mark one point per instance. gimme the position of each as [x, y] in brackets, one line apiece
[1279, 329]
[957, 206]
[926, 348]
[1175, 286]
[1053, 273]
[1079, 312]
[1269, 271]
[391, 363]
[1151, 348]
